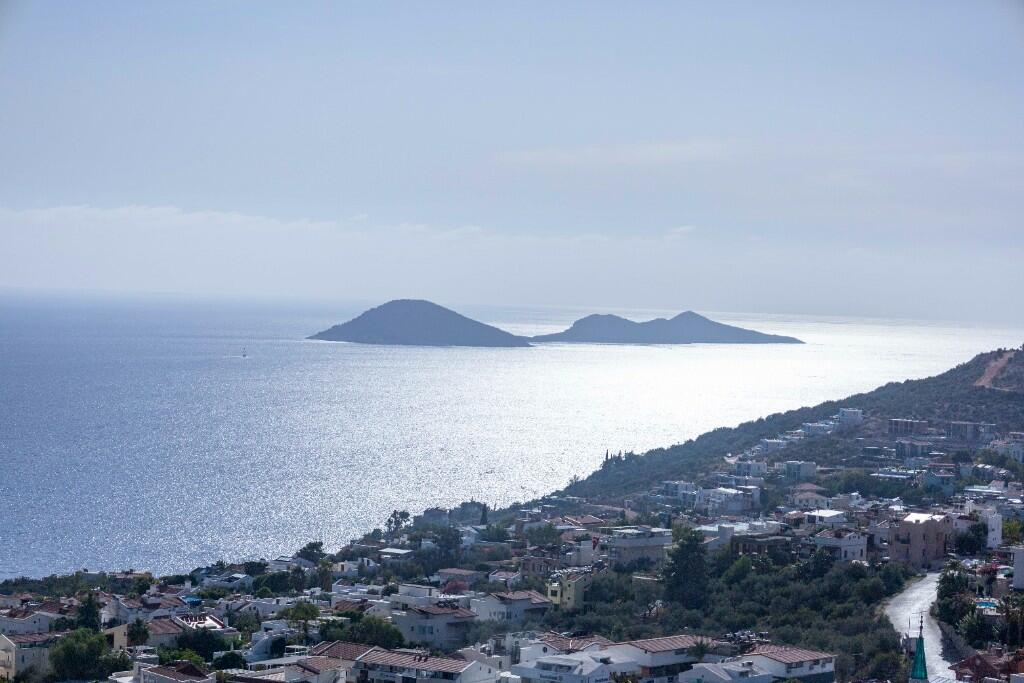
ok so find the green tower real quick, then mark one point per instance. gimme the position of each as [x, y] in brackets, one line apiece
[919, 672]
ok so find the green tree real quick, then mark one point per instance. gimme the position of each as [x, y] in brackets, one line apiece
[739, 570]
[449, 543]
[396, 522]
[203, 642]
[82, 655]
[275, 582]
[312, 551]
[686, 575]
[230, 660]
[138, 632]
[975, 629]
[168, 655]
[303, 612]
[89, 613]
[543, 535]
[973, 541]
[246, 622]
[1013, 532]
[255, 568]
[372, 630]
[297, 579]
[324, 574]
[817, 565]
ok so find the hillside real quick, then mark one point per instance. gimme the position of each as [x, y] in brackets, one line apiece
[686, 328]
[412, 322]
[952, 395]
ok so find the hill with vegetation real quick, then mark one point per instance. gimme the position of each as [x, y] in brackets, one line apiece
[952, 395]
[414, 322]
[686, 328]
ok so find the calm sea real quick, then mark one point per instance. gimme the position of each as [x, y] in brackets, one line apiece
[134, 434]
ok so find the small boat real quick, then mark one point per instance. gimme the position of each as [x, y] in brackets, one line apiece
[244, 354]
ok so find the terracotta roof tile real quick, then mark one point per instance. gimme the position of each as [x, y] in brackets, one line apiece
[671, 643]
[787, 654]
[409, 660]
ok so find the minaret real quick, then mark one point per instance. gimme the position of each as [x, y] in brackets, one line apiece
[919, 672]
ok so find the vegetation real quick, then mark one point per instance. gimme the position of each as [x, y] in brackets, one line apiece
[168, 655]
[312, 551]
[230, 660]
[71, 584]
[302, 612]
[138, 632]
[686, 576]
[814, 603]
[203, 642]
[89, 613]
[368, 630]
[949, 396]
[85, 655]
[973, 541]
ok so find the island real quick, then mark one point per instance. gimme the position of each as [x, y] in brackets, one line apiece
[686, 328]
[414, 322]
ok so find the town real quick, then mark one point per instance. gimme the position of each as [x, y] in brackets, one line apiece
[775, 564]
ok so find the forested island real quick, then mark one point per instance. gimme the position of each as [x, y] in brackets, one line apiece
[414, 322]
[686, 328]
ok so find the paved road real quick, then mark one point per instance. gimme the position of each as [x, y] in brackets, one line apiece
[904, 611]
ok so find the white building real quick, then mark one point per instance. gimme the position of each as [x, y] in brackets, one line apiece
[1018, 568]
[628, 544]
[514, 606]
[17, 621]
[744, 671]
[726, 501]
[385, 666]
[829, 518]
[784, 662]
[844, 544]
[799, 470]
[435, 626]
[577, 667]
[19, 652]
[991, 518]
[850, 417]
[661, 660]
[236, 583]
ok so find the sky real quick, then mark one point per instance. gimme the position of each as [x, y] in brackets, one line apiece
[845, 159]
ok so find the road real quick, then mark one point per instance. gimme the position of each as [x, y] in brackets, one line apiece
[904, 611]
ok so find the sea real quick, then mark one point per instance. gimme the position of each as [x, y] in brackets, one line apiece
[161, 434]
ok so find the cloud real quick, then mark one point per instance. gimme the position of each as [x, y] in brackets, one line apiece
[679, 231]
[662, 153]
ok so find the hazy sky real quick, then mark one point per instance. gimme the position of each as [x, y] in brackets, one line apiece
[861, 158]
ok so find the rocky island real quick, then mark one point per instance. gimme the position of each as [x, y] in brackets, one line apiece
[686, 328]
[414, 322]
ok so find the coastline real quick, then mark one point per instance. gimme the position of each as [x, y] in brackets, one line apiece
[499, 429]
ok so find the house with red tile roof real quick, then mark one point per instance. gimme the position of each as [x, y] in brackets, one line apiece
[435, 626]
[784, 662]
[177, 672]
[512, 606]
[23, 651]
[660, 658]
[388, 666]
